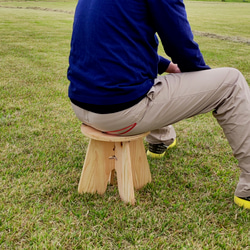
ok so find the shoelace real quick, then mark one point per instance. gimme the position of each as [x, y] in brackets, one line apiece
[157, 148]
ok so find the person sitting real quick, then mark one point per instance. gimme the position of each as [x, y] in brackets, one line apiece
[117, 85]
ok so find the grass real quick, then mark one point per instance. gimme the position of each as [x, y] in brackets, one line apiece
[219, 18]
[188, 205]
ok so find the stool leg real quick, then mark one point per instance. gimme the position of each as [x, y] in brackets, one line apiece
[97, 168]
[140, 167]
[112, 177]
[124, 172]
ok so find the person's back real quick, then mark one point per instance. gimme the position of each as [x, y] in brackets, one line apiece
[114, 49]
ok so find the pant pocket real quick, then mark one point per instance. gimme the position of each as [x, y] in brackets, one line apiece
[151, 92]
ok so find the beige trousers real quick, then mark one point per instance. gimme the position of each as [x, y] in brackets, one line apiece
[175, 97]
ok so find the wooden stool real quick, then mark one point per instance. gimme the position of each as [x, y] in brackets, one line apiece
[106, 153]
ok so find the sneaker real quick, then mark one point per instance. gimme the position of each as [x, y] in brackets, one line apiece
[242, 201]
[159, 150]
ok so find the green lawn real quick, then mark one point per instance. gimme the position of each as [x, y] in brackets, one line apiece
[188, 205]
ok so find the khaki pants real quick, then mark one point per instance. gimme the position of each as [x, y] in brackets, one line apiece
[175, 97]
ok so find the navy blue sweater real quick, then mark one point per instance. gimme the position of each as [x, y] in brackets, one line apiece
[113, 58]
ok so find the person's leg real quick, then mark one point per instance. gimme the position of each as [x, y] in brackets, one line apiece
[175, 97]
[160, 140]
[164, 135]
[224, 91]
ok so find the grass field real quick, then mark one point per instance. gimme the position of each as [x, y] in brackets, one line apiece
[188, 205]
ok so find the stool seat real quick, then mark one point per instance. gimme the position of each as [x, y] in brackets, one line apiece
[108, 153]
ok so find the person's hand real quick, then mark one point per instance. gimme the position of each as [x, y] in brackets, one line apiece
[173, 68]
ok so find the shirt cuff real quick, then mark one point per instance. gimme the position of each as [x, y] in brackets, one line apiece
[162, 64]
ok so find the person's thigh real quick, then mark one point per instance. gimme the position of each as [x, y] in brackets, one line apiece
[175, 97]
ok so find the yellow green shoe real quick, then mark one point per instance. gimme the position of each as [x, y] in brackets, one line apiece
[159, 150]
[242, 202]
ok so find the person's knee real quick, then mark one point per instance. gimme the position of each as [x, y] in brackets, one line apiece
[235, 75]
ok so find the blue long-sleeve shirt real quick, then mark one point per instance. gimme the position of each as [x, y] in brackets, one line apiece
[113, 57]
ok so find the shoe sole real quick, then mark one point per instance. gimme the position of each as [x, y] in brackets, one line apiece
[241, 202]
[158, 156]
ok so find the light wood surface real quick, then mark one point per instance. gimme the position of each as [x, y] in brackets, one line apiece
[100, 136]
[108, 153]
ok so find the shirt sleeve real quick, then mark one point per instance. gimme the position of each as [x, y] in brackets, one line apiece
[170, 22]
[163, 64]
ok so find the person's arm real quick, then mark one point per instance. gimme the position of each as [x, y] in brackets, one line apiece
[173, 68]
[170, 22]
[165, 65]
